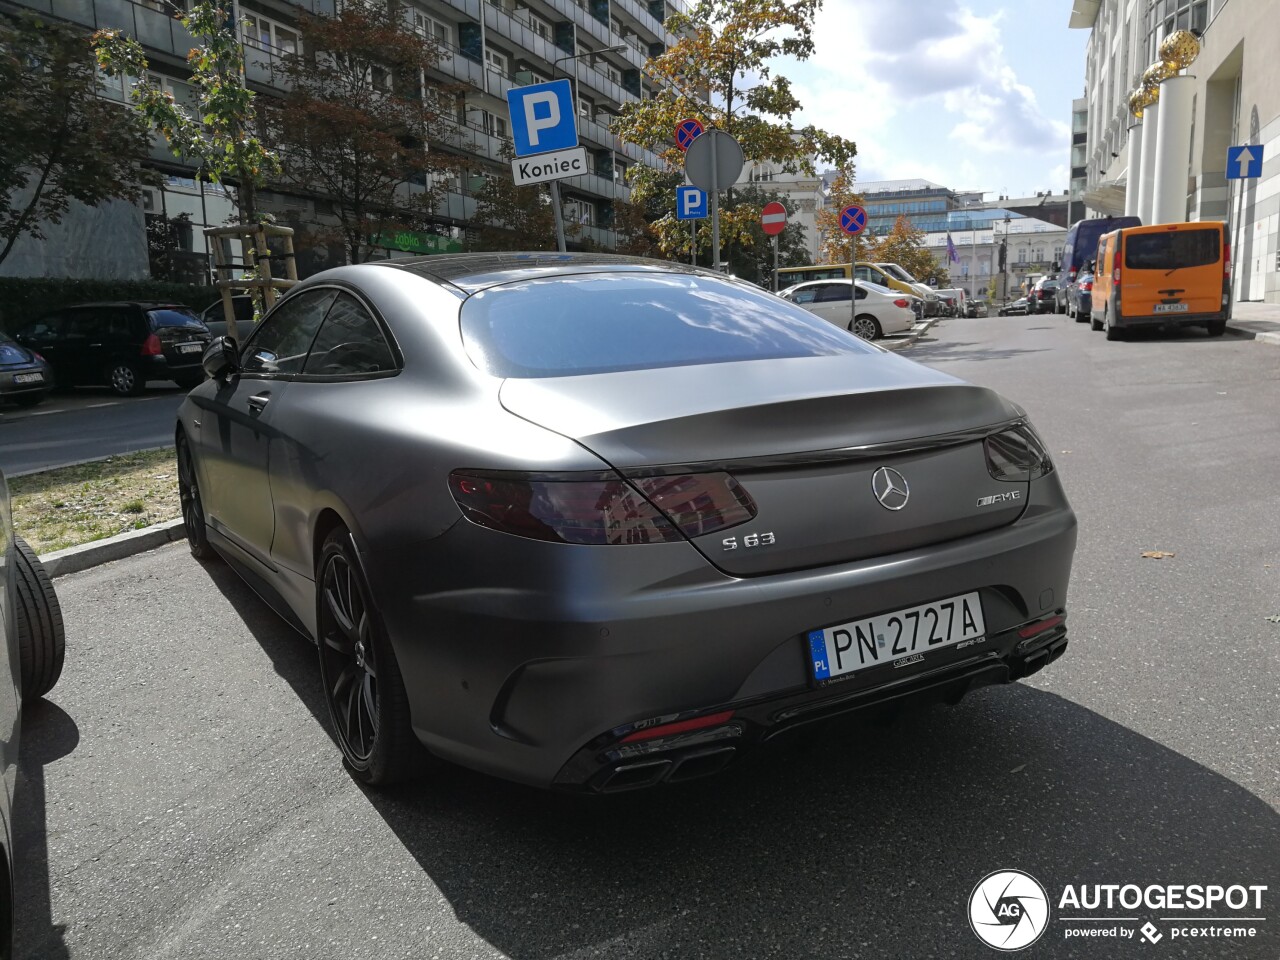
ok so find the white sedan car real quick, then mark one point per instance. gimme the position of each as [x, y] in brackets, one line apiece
[877, 310]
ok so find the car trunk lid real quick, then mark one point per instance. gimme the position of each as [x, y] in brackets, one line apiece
[807, 439]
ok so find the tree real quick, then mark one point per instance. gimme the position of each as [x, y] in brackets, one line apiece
[516, 218]
[61, 141]
[904, 245]
[720, 72]
[753, 261]
[359, 123]
[222, 139]
[838, 246]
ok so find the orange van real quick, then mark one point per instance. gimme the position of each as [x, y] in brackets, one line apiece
[1167, 274]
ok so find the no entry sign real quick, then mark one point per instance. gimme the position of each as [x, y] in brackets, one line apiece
[773, 218]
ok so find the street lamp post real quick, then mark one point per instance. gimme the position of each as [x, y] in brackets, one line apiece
[1004, 262]
[573, 88]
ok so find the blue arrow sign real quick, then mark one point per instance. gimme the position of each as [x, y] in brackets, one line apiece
[542, 117]
[1244, 163]
[691, 203]
[853, 219]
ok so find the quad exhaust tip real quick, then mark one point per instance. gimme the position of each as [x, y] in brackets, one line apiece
[648, 773]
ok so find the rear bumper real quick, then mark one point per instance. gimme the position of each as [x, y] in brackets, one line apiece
[162, 368]
[1167, 319]
[9, 388]
[522, 658]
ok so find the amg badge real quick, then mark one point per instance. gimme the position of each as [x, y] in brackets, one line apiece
[999, 498]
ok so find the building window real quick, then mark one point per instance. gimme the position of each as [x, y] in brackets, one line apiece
[495, 61]
[493, 125]
[432, 29]
[267, 34]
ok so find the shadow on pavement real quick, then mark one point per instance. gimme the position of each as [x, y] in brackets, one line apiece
[857, 841]
[48, 735]
[930, 350]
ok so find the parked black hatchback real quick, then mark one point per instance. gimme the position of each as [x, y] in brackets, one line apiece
[122, 345]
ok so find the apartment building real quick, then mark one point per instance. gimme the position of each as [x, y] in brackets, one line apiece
[1236, 101]
[488, 46]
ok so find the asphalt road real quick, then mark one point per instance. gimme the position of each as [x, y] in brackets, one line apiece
[180, 797]
[84, 424]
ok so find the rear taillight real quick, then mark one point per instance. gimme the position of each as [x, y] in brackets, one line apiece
[1071, 275]
[680, 726]
[602, 511]
[1226, 259]
[900, 302]
[151, 346]
[1115, 274]
[39, 357]
[1017, 454]
[1087, 286]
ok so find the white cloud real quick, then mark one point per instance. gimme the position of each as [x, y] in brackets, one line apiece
[901, 79]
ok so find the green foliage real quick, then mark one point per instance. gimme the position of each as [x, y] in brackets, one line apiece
[720, 72]
[23, 299]
[904, 245]
[60, 142]
[838, 246]
[223, 139]
[359, 126]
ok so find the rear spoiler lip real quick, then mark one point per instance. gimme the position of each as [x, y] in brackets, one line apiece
[870, 451]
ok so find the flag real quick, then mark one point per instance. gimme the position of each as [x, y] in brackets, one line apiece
[952, 256]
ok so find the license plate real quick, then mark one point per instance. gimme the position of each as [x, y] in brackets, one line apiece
[190, 347]
[28, 378]
[1172, 307]
[902, 638]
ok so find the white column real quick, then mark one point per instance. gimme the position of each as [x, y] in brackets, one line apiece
[1173, 149]
[1147, 171]
[1135, 170]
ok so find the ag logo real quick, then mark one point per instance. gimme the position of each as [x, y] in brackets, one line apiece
[1008, 910]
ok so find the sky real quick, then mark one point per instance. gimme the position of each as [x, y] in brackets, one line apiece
[972, 94]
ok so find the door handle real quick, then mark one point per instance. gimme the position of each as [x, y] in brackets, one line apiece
[258, 402]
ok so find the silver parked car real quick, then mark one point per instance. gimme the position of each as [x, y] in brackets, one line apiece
[595, 522]
[878, 311]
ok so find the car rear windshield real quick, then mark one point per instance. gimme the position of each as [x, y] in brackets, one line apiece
[173, 317]
[1171, 250]
[598, 323]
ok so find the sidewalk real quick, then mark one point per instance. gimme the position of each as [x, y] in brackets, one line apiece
[1256, 320]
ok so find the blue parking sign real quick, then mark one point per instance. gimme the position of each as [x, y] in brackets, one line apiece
[691, 203]
[542, 117]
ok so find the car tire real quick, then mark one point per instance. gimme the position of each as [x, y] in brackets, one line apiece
[191, 502]
[866, 326]
[1113, 332]
[363, 688]
[42, 638]
[1094, 323]
[1216, 328]
[125, 379]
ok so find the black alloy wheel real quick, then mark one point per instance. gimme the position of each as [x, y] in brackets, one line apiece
[361, 679]
[192, 505]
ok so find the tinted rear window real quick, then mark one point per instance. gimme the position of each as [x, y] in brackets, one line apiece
[1171, 250]
[599, 323]
[173, 318]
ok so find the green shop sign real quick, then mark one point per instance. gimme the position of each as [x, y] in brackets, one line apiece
[417, 242]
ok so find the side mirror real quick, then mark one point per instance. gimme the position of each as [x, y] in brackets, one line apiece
[221, 358]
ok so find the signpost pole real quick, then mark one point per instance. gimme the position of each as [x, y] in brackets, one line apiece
[559, 214]
[693, 243]
[715, 210]
[775, 263]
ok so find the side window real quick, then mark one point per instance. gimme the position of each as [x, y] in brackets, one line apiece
[864, 273]
[83, 324]
[120, 323]
[281, 343]
[833, 292]
[43, 330]
[859, 294]
[350, 343]
[804, 296]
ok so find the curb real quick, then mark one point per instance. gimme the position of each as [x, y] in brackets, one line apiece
[894, 344]
[86, 555]
[81, 463]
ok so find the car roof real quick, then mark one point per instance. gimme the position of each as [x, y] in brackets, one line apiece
[471, 272]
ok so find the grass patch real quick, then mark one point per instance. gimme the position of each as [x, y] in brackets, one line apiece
[91, 501]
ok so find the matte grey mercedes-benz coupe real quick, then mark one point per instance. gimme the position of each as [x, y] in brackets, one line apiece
[596, 522]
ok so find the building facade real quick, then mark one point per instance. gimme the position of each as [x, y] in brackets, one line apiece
[487, 47]
[1236, 102]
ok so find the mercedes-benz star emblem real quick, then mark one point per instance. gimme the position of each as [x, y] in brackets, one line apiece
[890, 488]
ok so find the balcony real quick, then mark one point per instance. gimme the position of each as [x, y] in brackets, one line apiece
[584, 20]
[261, 66]
[154, 30]
[522, 36]
[469, 7]
[597, 186]
[640, 14]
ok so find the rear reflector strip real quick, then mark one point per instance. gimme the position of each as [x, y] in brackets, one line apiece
[681, 726]
[1040, 626]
